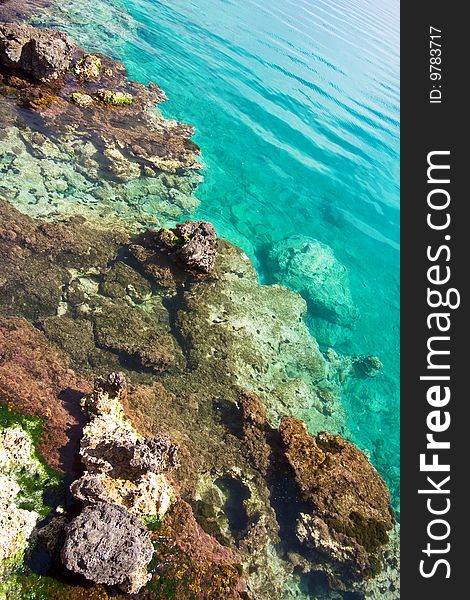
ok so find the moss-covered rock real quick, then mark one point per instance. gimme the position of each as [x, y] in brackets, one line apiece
[87, 67]
[24, 481]
[115, 98]
[82, 100]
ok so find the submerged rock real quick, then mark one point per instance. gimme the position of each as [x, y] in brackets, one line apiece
[106, 544]
[45, 54]
[79, 127]
[346, 514]
[311, 269]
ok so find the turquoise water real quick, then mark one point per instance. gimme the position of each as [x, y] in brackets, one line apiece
[296, 107]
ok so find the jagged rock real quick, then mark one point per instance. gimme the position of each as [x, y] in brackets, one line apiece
[122, 467]
[106, 544]
[310, 268]
[151, 143]
[346, 513]
[87, 67]
[191, 245]
[45, 54]
[198, 251]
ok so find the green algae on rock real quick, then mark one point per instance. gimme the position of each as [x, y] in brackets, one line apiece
[24, 479]
[115, 98]
[87, 67]
[36, 380]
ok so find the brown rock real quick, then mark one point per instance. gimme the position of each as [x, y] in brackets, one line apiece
[36, 380]
[346, 514]
[194, 561]
[45, 54]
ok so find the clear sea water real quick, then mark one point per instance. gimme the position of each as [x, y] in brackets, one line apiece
[296, 107]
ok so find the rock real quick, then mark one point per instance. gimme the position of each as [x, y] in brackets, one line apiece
[87, 67]
[198, 251]
[191, 245]
[106, 544]
[121, 467]
[66, 138]
[193, 561]
[255, 428]
[346, 516]
[367, 365]
[45, 54]
[82, 100]
[115, 98]
[134, 334]
[310, 268]
[16, 522]
[25, 486]
[242, 358]
[37, 381]
[240, 333]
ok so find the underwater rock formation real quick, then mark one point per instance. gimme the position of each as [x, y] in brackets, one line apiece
[121, 467]
[45, 54]
[82, 128]
[107, 544]
[347, 514]
[311, 269]
[137, 133]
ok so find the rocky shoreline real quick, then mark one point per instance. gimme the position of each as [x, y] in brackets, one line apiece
[168, 388]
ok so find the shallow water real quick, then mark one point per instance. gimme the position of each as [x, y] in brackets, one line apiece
[296, 107]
